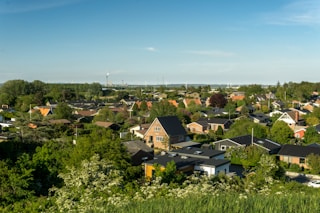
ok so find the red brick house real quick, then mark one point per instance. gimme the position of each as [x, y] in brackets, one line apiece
[165, 131]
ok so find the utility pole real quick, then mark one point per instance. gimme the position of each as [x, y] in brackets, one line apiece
[252, 137]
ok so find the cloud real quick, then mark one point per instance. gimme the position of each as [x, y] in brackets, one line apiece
[151, 49]
[298, 12]
[211, 53]
[22, 6]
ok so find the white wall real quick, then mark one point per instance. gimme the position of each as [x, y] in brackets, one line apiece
[211, 170]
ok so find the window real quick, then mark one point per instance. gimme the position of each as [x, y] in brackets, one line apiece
[223, 147]
[159, 138]
[287, 159]
[157, 128]
[302, 160]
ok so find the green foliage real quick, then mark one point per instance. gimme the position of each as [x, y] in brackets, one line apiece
[228, 202]
[63, 111]
[281, 132]
[253, 89]
[313, 161]
[14, 181]
[311, 135]
[246, 156]
[169, 174]
[88, 187]
[48, 162]
[143, 106]
[263, 174]
[105, 114]
[244, 127]
[230, 107]
[162, 108]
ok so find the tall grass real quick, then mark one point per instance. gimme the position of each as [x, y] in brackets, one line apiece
[293, 203]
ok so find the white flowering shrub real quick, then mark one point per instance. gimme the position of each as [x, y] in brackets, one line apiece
[93, 186]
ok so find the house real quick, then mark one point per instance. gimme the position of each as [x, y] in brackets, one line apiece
[173, 102]
[203, 125]
[278, 113]
[138, 151]
[165, 131]
[148, 103]
[237, 96]
[259, 118]
[291, 118]
[199, 127]
[314, 145]
[246, 140]
[44, 110]
[188, 101]
[85, 116]
[308, 107]
[299, 131]
[185, 144]
[139, 130]
[189, 160]
[294, 154]
[195, 95]
[278, 104]
[107, 125]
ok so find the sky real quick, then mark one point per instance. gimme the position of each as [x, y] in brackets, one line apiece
[160, 41]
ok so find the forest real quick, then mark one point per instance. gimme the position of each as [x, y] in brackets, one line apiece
[42, 170]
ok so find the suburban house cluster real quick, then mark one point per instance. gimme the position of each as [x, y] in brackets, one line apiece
[166, 139]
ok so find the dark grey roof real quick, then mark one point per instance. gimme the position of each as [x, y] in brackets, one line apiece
[198, 152]
[134, 146]
[269, 144]
[318, 127]
[203, 122]
[172, 125]
[213, 120]
[182, 161]
[298, 151]
[243, 140]
[314, 145]
[213, 162]
[186, 144]
[247, 140]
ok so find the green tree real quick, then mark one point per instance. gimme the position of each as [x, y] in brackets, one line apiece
[281, 132]
[313, 162]
[105, 114]
[169, 174]
[143, 106]
[312, 120]
[47, 162]
[14, 181]
[87, 187]
[264, 174]
[63, 111]
[230, 107]
[311, 135]
[162, 108]
[244, 127]
[219, 132]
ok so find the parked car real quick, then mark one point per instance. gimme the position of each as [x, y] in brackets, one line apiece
[314, 183]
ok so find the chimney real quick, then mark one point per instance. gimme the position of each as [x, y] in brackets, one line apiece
[296, 117]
